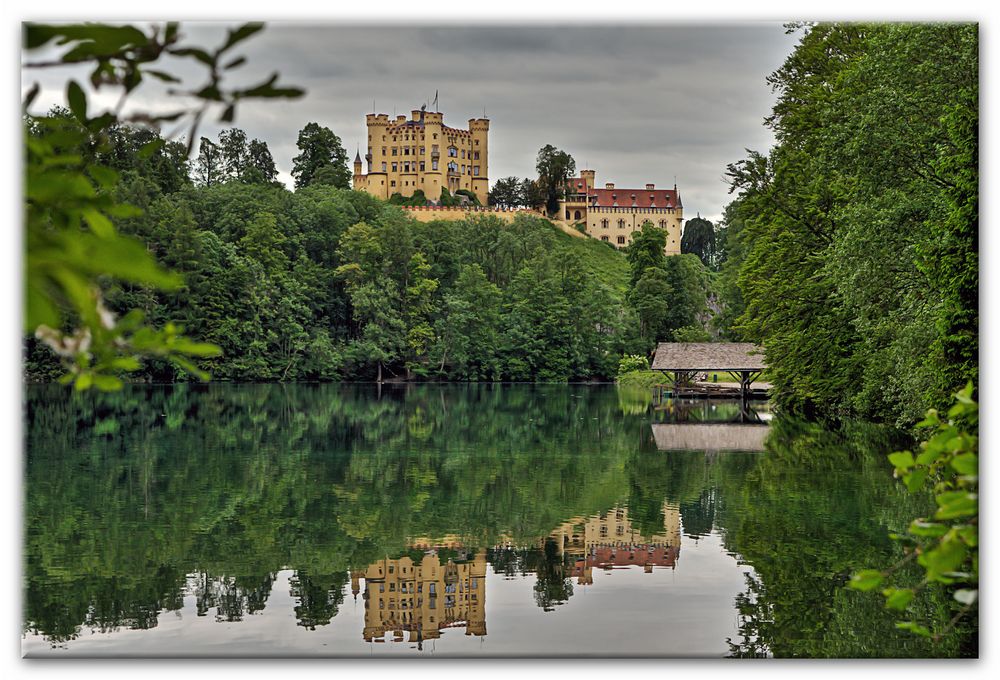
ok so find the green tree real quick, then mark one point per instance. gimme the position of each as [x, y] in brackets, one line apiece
[233, 153]
[554, 168]
[260, 163]
[646, 250]
[506, 193]
[699, 239]
[209, 169]
[652, 297]
[322, 158]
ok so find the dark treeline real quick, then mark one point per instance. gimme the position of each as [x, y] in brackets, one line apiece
[214, 489]
[852, 246]
[327, 283]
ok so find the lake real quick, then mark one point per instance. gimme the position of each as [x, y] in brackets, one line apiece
[451, 520]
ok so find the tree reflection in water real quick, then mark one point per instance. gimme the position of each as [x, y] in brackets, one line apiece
[136, 499]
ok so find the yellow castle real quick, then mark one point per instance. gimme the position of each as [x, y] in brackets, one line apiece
[611, 214]
[422, 598]
[424, 154]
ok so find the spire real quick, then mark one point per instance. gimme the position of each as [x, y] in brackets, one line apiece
[357, 156]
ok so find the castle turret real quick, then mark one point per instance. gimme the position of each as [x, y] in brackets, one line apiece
[480, 128]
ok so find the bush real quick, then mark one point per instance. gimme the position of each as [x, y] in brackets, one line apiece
[468, 194]
[632, 362]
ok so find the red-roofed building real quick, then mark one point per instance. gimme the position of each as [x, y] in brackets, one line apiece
[611, 214]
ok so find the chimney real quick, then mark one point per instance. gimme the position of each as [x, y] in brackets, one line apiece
[650, 187]
[609, 185]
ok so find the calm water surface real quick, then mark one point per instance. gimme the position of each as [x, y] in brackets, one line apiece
[317, 520]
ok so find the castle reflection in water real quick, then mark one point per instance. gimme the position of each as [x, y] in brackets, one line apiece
[415, 599]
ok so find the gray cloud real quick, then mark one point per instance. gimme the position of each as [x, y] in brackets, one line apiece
[637, 103]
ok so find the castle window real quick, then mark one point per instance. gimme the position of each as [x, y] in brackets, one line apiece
[395, 167]
[567, 214]
[576, 215]
[475, 171]
[621, 241]
[604, 224]
[604, 238]
[435, 135]
[663, 224]
[421, 151]
[392, 183]
[422, 165]
[453, 152]
[621, 225]
[395, 151]
[383, 166]
[475, 156]
[383, 150]
[434, 165]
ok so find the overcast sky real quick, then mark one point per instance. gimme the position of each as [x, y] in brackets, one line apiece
[638, 104]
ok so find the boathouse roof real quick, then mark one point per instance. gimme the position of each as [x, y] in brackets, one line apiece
[708, 356]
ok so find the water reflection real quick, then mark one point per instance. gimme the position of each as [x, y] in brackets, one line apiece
[211, 513]
[424, 597]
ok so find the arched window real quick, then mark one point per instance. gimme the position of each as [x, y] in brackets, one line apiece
[567, 214]
[604, 238]
[604, 224]
[663, 224]
[621, 225]
[576, 215]
[621, 240]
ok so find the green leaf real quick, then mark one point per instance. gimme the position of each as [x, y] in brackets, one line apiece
[99, 224]
[956, 504]
[77, 100]
[238, 61]
[947, 556]
[149, 148]
[966, 595]
[240, 34]
[104, 176]
[915, 479]
[107, 383]
[162, 75]
[199, 54]
[969, 534]
[83, 381]
[868, 579]
[198, 349]
[898, 598]
[902, 460]
[914, 627]
[125, 363]
[918, 528]
[966, 463]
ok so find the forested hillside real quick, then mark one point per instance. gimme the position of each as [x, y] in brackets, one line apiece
[852, 246]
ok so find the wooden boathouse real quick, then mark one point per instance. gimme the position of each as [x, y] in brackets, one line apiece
[681, 362]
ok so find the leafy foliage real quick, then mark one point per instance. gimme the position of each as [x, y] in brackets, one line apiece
[852, 248]
[554, 167]
[322, 158]
[946, 544]
[72, 168]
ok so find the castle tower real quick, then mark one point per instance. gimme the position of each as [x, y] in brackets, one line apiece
[358, 174]
[588, 177]
[480, 128]
[435, 161]
[376, 181]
